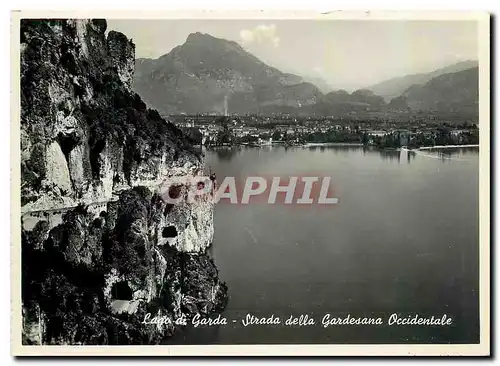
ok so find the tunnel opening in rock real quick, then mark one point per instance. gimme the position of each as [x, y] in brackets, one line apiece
[121, 291]
[169, 232]
[97, 223]
[174, 191]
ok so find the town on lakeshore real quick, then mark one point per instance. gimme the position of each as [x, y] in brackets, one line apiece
[413, 130]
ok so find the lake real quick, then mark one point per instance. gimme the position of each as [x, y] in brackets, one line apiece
[403, 239]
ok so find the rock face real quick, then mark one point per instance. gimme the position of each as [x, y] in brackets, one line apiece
[84, 134]
[104, 248]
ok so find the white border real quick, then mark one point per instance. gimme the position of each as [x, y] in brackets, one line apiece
[339, 350]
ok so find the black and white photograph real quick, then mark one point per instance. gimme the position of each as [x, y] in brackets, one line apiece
[221, 181]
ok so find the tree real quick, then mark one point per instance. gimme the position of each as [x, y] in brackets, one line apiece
[276, 135]
[365, 139]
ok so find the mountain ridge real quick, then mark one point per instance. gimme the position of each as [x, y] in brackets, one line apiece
[207, 74]
[456, 91]
[394, 87]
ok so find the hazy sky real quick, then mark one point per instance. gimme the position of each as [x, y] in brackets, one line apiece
[345, 53]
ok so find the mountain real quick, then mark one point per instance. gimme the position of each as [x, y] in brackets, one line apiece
[200, 74]
[452, 92]
[395, 87]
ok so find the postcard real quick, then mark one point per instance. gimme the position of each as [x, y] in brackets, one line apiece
[250, 183]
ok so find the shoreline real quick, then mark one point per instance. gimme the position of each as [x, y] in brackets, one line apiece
[312, 144]
[404, 148]
[354, 144]
[445, 147]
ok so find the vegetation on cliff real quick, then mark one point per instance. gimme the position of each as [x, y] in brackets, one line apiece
[77, 106]
[86, 137]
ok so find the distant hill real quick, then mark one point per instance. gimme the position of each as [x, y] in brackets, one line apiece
[200, 74]
[337, 103]
[452, 92]
[395, 87]
[340, 101]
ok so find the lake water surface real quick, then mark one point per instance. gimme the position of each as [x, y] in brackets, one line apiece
[402, 239]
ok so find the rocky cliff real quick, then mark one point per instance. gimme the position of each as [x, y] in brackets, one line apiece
[100, 246]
